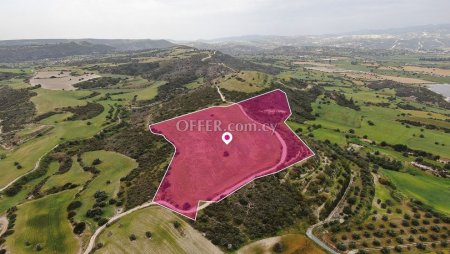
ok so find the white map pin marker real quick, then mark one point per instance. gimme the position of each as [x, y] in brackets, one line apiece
[227, 137]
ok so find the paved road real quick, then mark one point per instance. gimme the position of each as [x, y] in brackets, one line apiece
[309, 232]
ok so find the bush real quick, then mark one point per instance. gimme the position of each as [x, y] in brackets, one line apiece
[74, 205]
[102, 221]
[278, 248]
[96, 162]
[71, 214]
[79, 228]
[385, 250]
[341, 246]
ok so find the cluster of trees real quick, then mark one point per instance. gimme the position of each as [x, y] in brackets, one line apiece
[88, 111]
[16, 108]
[11, 216]
[300, 101]
[258, 210]
[426, 125]
[102, 82]
[385, 162]
[422, 94]
[16, 187]
[341, 100]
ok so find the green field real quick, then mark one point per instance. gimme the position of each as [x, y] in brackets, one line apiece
[29, 153]
[146, 93]
[165, 237]
[49, 100]
[113, 167]
[7, 202]
[431, 190]
[246, 81]
[44, 223]
[76, 175]
[15, 83]
[333, 116]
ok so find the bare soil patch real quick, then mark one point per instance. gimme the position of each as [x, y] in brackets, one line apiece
[59, 80]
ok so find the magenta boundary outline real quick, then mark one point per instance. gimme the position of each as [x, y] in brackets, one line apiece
[224, 106]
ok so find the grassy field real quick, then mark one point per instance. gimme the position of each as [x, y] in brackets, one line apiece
[29, 153]
[113, 167]
[431, 190]
[332, 117]
[194, 84]
[146, 93]
[165, 237]
[292, 243]
[246, 81]
[75, 175]
[7, 202]
[15, 83]
[44, 223]
[49, 100]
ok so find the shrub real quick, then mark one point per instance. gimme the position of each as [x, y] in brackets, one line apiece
[74, 205]
[97, 161]
[341, 246]
[278, 247]
[102, 221]
[79, 228]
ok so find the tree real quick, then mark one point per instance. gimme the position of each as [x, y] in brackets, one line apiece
[133, 237]
[148, 234]
[278, 247]
[38, 247]
[79, 228]
[97, 161]
[74, 205]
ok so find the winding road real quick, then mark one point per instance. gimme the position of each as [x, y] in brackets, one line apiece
[36, 166]
[99, 230]
[310, 230]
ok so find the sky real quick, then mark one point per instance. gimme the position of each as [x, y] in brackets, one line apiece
[207, 19]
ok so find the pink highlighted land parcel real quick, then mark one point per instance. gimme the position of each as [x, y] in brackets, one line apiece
[206, 168]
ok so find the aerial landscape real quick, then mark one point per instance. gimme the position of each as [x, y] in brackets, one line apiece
[263, 140]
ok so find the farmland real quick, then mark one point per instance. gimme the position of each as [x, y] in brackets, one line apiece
[169, 234]
[42, 225]
[85, 155]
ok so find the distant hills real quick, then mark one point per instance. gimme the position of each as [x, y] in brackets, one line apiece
[416, 38]
[31, 50]
[428, 38]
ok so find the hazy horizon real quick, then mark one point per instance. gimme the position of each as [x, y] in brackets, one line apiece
[203, 19]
